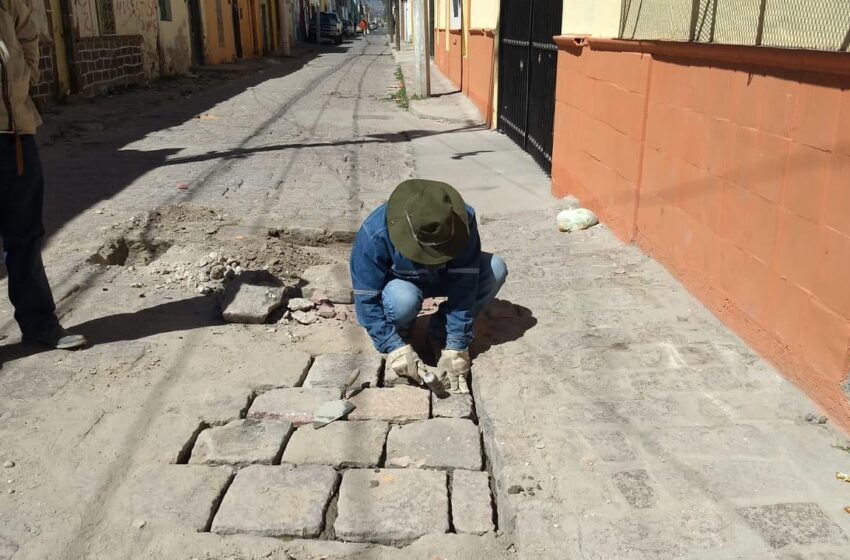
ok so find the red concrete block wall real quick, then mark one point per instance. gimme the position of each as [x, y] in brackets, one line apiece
[599, 128]
[737, 178]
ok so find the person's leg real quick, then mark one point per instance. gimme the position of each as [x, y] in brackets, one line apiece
[402, 302]
[491, 277]
[22, 229]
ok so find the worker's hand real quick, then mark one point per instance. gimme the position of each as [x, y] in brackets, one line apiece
[453, 369]
[405, 363]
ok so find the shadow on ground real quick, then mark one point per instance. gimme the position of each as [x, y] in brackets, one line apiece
[500, 323]
[174, 316]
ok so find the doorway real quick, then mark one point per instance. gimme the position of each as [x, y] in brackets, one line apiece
[237, 28]
[196, 30]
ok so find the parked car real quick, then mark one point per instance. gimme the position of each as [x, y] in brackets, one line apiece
[347, 28]
[331, 28]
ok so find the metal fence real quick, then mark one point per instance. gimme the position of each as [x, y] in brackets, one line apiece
[805, 24]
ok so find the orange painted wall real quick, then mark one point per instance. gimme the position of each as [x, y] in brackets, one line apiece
[441, 58]
[454, 64]
[480, 73]
[735, 178]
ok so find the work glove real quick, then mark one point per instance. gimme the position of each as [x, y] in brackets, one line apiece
[405, 363]
[453, 369]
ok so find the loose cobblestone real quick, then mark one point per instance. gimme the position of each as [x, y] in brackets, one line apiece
[241, 442]
[397, 404]
[251, 300]
[335, 370]
[295, 405]
[277, 501]
[455, 406]
[441, 443]
[340, 444]
[472, 510]
[392, 506]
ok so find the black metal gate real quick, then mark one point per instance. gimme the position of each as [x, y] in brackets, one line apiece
[528, 62]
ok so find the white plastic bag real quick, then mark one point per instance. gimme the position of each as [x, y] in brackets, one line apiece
[576, 219]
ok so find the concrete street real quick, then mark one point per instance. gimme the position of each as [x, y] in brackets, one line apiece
[612, 416]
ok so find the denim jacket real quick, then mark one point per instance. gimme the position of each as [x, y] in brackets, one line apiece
[375, 262]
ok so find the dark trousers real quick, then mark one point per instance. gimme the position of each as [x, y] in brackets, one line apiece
[22, 230]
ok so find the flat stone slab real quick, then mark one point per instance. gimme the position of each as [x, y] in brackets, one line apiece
[175, 495]
[334, 370]
[455, 406]
[251, 298]
[472, 509]
[800, 524]
[333, 281]
[392, 506]
[296, 405]
[397, 404]
[241, 442]
[289, 370]
[441, 443]
[340, 444]
[277, 501]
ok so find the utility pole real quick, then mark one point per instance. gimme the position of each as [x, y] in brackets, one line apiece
[397, 27]
[318, 23]
[420, 45]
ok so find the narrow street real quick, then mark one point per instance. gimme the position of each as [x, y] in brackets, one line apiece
[613, 416]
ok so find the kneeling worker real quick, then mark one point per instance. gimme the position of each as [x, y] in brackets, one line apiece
[423, 243]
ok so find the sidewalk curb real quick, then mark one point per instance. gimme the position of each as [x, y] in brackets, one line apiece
[424, 115]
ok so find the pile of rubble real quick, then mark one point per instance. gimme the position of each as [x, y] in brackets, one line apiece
[308, 311]
[205, 276]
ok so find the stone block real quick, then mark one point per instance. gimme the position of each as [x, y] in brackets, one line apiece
[241, 442]
[296, 405]
[333, 281]
[636, 487]
[277, 501]
[341, 444]
[334, 370]
[392, 506]
[398, 404]
[174, 496]
[456, 406]
[251, 298]
[288, 370]
[472, 509]
[441, 443]
[391, 379]
[800, 524]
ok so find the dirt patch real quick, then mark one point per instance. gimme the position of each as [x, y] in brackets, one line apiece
[128, 251]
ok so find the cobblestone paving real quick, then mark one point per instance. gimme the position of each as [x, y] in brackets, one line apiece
[388, 475]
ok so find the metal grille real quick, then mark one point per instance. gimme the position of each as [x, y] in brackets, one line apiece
[804, 24]
[106, 17]
[528, 61]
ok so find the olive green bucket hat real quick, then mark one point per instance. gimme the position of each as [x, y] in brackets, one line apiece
[427, 221]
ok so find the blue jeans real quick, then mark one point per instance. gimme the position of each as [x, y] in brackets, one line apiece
[22, 230]
[402, 300]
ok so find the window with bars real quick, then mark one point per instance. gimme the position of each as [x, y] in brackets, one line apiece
[106, 17]
[165, 10]
[804, 24]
